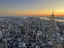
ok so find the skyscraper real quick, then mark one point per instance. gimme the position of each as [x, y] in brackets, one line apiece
[52, 24]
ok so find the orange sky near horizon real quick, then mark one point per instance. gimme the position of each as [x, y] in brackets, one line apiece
[31, 7]
[35, 13]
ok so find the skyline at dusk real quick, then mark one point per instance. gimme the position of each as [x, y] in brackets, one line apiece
[31, 7]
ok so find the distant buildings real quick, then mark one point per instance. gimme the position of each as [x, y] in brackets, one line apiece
[31, 32]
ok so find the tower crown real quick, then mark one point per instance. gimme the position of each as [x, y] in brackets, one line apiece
[53, 13]
[52, 16]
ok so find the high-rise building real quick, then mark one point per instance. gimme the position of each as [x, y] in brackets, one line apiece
[0, 34]
[52, 30]
[52, 26]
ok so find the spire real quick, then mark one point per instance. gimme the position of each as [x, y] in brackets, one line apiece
[52, 16]
[52, 13]
[52, 22]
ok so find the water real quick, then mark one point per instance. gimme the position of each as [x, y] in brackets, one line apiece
[46, 18]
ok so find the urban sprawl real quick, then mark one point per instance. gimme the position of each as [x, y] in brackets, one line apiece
[31, 32]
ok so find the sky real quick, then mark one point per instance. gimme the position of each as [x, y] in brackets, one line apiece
[31, 7]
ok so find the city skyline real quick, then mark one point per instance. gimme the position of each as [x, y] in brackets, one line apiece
[31, 7]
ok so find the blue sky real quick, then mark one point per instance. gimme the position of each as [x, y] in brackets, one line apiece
[36, 6]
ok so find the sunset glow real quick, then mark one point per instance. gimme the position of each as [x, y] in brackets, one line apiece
[32, 7]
